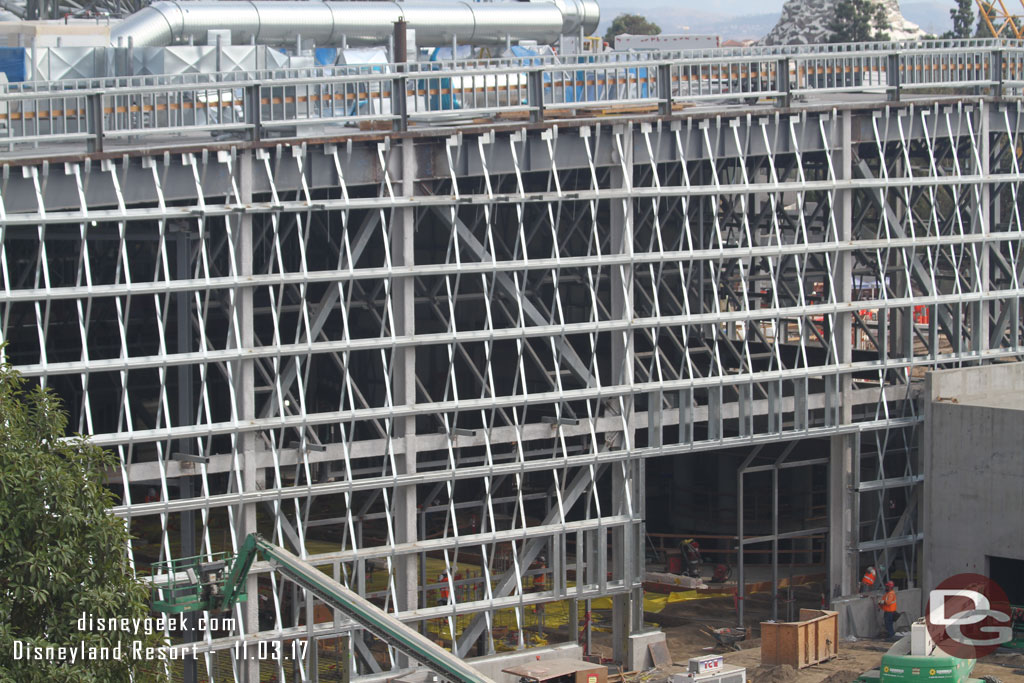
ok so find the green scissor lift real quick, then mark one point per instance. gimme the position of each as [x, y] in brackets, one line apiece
[915, 659]
[216, 583]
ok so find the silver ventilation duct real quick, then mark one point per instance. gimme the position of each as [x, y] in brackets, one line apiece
[436, 23]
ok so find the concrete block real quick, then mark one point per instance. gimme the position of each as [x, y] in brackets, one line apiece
[639, 654]
[860, 616]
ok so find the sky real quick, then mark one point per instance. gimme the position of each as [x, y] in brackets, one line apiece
[721, 7]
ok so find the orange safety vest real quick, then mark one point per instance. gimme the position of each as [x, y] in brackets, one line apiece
[538, 579]
[889, 602]
[869, 579]
[444, 586]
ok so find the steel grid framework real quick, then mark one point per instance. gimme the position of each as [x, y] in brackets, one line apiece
[448, 345]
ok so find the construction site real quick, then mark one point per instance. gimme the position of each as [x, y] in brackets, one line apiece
[453, 338]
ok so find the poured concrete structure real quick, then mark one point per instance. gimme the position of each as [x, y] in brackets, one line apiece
[974, 470]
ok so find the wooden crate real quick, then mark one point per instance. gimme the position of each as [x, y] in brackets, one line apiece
[802, 643]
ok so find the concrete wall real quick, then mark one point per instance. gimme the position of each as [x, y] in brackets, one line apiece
[975, 381]
[974, 469]
[860, 616]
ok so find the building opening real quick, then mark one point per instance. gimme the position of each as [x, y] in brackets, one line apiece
[1009, 574]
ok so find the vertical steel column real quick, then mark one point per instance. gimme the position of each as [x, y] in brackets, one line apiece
[741, 586]
[186, 414]
[775, 542]
[623, 474]
[246, 396]
[404, 363]
[980, 321]
[843, 527]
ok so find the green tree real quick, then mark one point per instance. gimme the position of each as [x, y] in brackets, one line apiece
[633, 24]
[983, 30]
[963, 19]
[61, 553]
[858, 21]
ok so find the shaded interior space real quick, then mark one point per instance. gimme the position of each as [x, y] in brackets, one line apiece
[1009, 574]
[695, 496]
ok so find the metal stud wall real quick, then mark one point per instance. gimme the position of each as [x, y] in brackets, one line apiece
[397, 352]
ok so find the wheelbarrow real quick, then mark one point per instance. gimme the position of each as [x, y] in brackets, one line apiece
[727, 636]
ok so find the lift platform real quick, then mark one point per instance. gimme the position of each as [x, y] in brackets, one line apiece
[217, 583]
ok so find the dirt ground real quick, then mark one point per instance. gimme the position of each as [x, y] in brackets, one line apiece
[684, 625]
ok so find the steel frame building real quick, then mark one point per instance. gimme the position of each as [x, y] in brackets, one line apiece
[469, 338]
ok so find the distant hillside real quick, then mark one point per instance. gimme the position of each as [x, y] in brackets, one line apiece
[672, 19]
[679, 17]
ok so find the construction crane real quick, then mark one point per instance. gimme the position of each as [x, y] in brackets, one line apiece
[999, 20]
[216, 583]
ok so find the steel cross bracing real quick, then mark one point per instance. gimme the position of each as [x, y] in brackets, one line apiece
[440, 362]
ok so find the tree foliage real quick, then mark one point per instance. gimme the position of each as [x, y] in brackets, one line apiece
[61, 553]
[983, 30]
[633, 24]
[858, 21]
[963, 19]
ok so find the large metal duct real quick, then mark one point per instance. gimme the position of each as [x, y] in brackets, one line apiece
[436, 23]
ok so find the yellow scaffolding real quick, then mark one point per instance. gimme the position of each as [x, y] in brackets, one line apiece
[999, 20]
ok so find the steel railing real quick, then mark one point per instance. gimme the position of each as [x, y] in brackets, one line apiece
[258, 104]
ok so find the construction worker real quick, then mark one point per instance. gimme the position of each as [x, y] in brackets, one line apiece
[538, 578]
[867, 582]
[888, 605]
[442, 596]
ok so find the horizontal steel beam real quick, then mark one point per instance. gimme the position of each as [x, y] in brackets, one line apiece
[787, 465]
[551, 397]
[800, 533]
[541, 465]
[388, 202]
[513, 334]
[911, 539]
[371, 448]
[501, 266]
[890, 483]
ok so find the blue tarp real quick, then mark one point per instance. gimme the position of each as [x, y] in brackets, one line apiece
[520, 51]
[596, 93]
[12, 63]
[524, 53]
[444, 102]
[445, 53]
[326, 56]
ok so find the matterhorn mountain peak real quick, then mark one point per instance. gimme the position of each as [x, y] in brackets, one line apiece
[806, 21]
